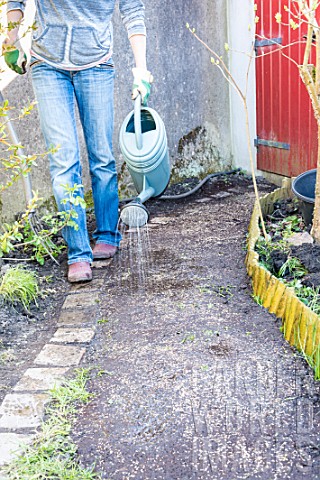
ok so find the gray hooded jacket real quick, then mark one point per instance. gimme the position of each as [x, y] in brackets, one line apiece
[77, 34]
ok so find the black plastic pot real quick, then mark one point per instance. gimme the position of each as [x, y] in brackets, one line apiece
[304, 187]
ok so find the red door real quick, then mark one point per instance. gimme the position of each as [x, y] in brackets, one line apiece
[286, 128]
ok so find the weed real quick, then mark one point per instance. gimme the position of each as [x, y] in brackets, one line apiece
[181, 306]
[224, 291]
[208, 333]
[103, 321]
[265, 248]
[257, 299]
[7, 356]
[53, 454]
[190, 337]
[204, 368]
[294, 267]
[310, 296]
[19, 286]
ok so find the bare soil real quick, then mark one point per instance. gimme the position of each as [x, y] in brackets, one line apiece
[192, 379]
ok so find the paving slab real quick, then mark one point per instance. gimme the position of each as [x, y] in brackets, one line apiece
[22, 410]
[73, 335]
[95, 284]
[77, 317]
[11, 446]
[97, 264]
[81, 300]
[40, 379]
[60, 355]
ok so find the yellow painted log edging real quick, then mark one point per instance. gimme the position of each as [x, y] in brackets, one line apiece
[301, 326]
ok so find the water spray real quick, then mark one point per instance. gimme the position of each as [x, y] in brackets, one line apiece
[143, 143]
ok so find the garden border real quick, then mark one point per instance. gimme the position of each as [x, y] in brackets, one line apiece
[301, 326]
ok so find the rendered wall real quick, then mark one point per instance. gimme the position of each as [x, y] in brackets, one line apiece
[188, 91]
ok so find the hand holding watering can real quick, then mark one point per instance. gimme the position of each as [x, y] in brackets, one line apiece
[143, 143]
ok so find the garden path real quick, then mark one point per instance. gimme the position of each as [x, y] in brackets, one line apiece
[192, 379]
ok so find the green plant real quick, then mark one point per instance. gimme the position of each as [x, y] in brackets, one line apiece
[294, 267]
[257, 299]
[7, 356]
[103, 321]
[19, 285]
[52, 455]
[265, 247]
[21, 235]
[310, 296]
[189, 337]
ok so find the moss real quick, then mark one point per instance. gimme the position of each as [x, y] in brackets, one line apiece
[89, 199]
[200, 153]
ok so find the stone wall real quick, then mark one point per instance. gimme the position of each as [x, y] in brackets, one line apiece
[188, 93]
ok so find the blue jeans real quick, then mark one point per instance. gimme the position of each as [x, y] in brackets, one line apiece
[57, 93]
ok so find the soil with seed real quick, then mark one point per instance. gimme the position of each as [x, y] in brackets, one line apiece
[192, 379]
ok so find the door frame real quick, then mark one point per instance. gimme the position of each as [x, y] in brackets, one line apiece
[241, 39]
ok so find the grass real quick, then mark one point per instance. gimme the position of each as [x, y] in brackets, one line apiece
[19, 285]
[52, 456]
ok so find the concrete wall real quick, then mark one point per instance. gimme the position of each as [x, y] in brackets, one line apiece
[188, 91]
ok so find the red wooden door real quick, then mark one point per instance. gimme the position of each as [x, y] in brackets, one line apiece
[286, 128]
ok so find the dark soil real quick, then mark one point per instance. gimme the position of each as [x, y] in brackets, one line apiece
[192, 379]
[23, 334]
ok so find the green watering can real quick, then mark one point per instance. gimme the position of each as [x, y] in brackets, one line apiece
[143, 143]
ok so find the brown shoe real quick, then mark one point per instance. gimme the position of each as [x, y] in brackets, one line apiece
[79, 272]
[103, 250]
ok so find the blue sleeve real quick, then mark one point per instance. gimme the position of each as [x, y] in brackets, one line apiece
[16, 5]
[132, 14]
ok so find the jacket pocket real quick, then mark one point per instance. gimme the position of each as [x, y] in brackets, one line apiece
[51, 43]
[85, 46]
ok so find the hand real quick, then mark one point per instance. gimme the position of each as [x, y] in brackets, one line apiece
[142, 80]
[14, 56]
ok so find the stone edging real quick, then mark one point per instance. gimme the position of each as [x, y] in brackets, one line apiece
[22, 410]
[301, 326]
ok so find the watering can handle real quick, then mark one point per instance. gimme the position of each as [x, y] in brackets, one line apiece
[137, 122]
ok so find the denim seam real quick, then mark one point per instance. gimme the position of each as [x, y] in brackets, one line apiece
[107, 243]
[77, 260]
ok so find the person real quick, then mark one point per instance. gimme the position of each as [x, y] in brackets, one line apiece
[71, 64]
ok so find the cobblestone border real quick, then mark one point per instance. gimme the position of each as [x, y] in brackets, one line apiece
[22, 410]
[301, 325]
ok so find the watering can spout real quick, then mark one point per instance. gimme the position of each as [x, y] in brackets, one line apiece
[134, 214]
